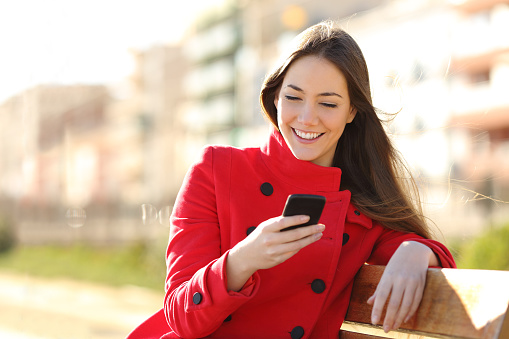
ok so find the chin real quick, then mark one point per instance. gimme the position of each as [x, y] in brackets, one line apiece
[304, 157]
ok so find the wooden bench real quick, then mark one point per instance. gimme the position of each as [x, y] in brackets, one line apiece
[457, 303]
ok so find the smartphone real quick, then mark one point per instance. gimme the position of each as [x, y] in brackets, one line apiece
[305, 204]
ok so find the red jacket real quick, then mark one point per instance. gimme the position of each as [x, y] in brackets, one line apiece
[226, 194]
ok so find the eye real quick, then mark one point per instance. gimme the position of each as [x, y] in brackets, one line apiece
[329, 105]
[291, 97]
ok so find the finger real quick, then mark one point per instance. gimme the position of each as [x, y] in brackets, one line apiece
[285, 222]
[380, 297]
[405, 307]
[302, 232]
[277, 243]
[392, 308]
[283, 252]
[296, 245]
[416, 302]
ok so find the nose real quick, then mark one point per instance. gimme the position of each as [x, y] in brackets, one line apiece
[307, 116]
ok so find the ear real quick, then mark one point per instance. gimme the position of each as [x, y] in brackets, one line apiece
[353, 113]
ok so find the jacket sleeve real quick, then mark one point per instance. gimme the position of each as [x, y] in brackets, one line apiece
[197, 301]
[389, 241]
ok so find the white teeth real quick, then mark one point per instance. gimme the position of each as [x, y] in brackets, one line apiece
[307, 135]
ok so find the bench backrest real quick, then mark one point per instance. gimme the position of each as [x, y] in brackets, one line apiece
[457, 303]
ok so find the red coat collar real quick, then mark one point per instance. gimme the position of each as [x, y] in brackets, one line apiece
[283, 164]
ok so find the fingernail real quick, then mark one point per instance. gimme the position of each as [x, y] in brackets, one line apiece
[318, 235]
[304, 218]
[321, 227]
[374, 320]
[386, 328]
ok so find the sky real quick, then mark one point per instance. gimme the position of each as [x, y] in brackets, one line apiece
[78, 41]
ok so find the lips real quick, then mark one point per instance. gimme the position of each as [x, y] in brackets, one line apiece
[307, 135]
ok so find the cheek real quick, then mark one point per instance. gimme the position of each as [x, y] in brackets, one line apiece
[282, 122]
[286, 113]
[336, 126]
[282, 115]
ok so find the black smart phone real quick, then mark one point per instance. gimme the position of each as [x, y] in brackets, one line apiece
[305, 204]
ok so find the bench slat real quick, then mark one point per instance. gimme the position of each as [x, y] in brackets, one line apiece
[353, 335]
[457, 303]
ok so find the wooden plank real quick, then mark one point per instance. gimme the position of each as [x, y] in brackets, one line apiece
[353, 335]
[456, 303]
[370, 331]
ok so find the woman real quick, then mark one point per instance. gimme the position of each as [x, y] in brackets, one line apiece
[233, 274]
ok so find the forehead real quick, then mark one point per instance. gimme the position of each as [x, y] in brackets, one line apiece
[314, 71]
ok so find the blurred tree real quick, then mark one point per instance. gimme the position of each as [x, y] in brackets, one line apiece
[488, 251]
[7, 234]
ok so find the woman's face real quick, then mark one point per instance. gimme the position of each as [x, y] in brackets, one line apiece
[313, 108]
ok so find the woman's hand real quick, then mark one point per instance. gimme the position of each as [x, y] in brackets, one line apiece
[267, 247]
[404, 279]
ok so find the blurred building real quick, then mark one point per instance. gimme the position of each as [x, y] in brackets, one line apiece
[158, 91]
[44, 131]
[208, 111]
[479, 101]
[55, 154]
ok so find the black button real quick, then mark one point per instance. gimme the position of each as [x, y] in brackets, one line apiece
[346, 237]
[250, 230]
[357, 212]
[229, 318]
[266, 189]
[297, 332]
[197, 298]
[318, 286]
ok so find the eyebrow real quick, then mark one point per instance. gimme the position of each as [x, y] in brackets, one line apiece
[325, 94]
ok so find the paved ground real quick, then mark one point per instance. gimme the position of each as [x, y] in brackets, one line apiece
[34, 308]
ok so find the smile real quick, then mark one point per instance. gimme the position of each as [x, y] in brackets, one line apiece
[307, 135]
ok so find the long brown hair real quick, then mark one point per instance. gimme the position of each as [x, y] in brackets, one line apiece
[382, 187]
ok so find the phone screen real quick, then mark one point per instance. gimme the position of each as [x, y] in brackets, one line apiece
[305, 204]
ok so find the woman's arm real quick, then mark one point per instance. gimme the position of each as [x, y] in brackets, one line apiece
[407, 257]
[197, 301]
[403, 279]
